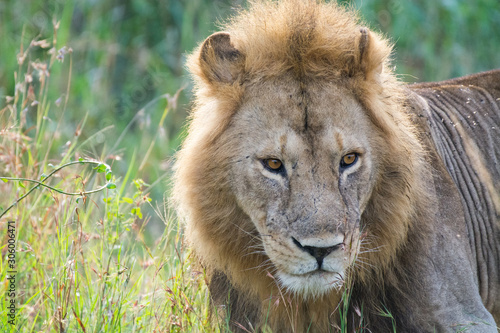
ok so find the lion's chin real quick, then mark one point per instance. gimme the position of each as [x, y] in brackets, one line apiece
[311, 285]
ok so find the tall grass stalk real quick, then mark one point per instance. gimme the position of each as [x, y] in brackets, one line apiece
[84, 261]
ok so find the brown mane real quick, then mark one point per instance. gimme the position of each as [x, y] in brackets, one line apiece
[314, 41]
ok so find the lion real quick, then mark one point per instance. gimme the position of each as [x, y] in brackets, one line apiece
[320, 193]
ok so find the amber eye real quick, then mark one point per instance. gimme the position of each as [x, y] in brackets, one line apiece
[348, 160]
[273, 164]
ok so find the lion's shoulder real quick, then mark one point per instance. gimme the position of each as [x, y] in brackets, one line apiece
[462, 118]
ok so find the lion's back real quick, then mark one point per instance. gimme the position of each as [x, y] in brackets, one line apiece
[463, 117]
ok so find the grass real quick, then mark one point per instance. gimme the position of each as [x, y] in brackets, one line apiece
[85, 260]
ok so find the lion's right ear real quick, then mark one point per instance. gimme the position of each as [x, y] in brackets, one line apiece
[220, 61]
[370, 56]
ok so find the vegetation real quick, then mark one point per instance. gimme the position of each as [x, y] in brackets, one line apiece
[83, 261]
[93, 96]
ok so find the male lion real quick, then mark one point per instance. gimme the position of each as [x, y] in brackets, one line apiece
[319, 192]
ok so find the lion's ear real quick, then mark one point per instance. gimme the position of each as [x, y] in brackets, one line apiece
[370, 56]
[219, 60]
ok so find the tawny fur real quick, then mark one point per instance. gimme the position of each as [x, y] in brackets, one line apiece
[313, 42]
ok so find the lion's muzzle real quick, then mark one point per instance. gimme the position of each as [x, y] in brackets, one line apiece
[318, 252]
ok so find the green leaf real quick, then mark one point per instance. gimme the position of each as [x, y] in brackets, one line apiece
[101, 167]
[21, 184]
[43, 176]
[109, 174]
[111, 186]
[139, 183]
[127, 200]
[81, 160]
[5, 180]
[137, 211]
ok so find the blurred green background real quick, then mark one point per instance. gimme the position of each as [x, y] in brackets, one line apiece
[129, 53]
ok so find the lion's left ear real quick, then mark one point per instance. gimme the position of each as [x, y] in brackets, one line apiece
[370, 56]
[220, 61]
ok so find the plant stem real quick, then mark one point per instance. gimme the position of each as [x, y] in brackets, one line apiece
[41, 183]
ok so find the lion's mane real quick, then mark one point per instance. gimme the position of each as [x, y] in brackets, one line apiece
[313, 41]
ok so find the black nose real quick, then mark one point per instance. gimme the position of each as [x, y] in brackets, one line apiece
[319, 253]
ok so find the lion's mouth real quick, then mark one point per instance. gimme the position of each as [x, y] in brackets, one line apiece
[310, 266]
[313, 283]
[318, 271]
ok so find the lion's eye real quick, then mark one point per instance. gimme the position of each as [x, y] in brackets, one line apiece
[348, 160]
[273, 165]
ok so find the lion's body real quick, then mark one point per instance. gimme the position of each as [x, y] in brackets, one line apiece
[310, 173]
[462, 119]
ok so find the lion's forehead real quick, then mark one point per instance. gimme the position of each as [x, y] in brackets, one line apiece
[313, 119]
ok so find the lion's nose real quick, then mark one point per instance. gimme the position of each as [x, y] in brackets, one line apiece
[319, 253]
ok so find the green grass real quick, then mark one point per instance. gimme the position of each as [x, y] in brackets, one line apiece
[84, 259]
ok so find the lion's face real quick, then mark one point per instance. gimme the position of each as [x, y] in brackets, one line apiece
[303, 171]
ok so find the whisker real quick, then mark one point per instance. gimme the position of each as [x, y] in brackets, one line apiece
[262, 266]
[254, 252]
[363, 264]
[371, 250]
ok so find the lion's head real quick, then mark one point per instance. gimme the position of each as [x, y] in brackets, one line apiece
[300, 162]
[303, 168]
